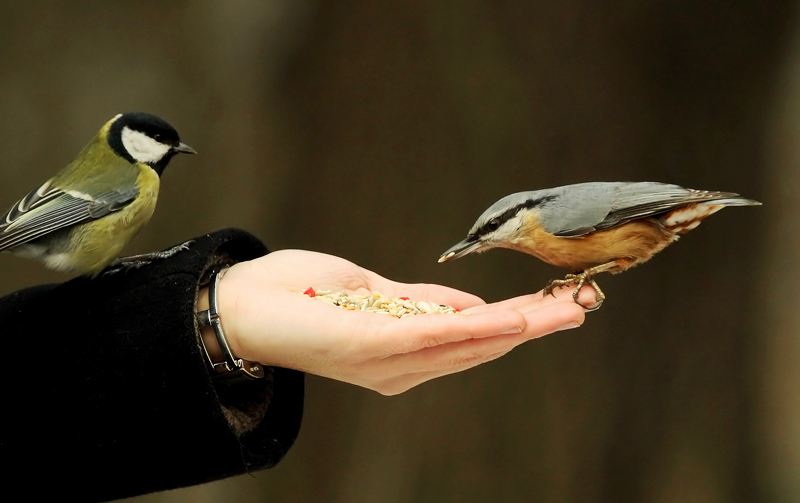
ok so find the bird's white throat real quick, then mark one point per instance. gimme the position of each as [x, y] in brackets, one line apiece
[141, 147]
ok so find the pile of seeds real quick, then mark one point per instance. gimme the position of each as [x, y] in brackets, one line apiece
[377, 303]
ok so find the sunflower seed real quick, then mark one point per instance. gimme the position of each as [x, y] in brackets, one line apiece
[377, 303]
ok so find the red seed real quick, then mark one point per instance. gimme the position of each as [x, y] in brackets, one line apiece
[458, 310]
[310, 292]
[404, 298]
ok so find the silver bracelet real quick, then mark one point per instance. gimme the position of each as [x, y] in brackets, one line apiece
[233, 369]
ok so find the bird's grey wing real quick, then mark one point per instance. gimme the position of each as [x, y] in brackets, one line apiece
[47, 209]
[578, 209]
[607, 205]
[654, 199]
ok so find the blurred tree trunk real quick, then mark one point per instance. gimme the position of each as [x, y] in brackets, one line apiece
[777, 439]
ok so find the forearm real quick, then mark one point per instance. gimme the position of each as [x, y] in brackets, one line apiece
[127, 381]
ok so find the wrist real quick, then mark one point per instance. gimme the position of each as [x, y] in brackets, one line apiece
[226, 315]
[231, 367]
[207, 333]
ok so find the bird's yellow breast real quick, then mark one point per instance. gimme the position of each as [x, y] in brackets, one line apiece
[102, 241]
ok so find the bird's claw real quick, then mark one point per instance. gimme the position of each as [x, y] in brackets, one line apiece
[579, 280]
[569, 279]
[137, 261]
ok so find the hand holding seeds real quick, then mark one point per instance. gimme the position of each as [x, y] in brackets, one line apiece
[266, 318]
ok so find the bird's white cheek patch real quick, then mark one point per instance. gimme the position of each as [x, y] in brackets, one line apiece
[141, 147]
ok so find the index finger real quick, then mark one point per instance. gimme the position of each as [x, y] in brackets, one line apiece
[539, 300]
[414, 333]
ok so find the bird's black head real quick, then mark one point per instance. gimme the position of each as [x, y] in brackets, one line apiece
[145, 138]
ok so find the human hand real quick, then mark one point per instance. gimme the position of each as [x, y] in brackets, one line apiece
[266, 320]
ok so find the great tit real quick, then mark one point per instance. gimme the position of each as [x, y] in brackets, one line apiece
[79, 220]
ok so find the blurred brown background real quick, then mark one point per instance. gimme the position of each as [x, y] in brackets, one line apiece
[378, 131]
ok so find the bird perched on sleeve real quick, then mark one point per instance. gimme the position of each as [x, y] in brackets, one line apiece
[593, 227]
[79, 220]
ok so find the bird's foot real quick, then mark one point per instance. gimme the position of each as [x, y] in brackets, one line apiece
[137, 261]
[569, 279]
[584, 278]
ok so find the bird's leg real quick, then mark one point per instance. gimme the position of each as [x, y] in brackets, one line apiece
[580, 279]
[137, 261]
[149, 257]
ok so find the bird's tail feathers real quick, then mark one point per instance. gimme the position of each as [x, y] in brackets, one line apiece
[734, 201]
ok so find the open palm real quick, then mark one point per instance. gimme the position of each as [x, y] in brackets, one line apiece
[268, 321]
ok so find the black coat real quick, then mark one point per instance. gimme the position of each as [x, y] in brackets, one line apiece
[106, 392]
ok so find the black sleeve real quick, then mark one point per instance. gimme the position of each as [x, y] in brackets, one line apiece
[106, 392]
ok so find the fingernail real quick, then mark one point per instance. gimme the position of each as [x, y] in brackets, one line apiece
[516, 330]
[567, 326]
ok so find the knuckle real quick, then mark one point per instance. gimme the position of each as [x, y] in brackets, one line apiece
[465, 359]
[429, 341]
[360, 352]
[414, 345]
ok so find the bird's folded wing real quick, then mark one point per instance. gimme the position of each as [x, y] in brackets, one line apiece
[651, 204]
[47, 209]
[583, 214]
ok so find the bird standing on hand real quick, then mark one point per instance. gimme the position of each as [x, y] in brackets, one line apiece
[593, 227]
[80, 220]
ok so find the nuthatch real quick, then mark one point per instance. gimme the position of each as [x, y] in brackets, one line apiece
[593, 227]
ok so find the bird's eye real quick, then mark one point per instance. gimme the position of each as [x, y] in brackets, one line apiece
[492, 225]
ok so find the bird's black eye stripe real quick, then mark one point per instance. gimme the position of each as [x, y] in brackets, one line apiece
[495, 223]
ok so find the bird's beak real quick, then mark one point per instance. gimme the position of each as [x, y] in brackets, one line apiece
[465, 247]
[184, 148]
